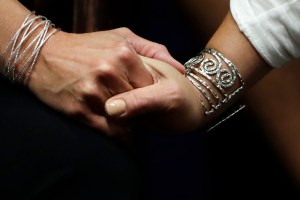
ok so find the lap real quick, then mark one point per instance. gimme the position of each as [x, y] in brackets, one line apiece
[45, 155]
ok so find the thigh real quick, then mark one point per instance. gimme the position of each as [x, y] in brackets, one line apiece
[44, 155]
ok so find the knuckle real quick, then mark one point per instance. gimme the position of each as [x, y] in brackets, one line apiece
[95, 63]
[88, 88]
[124, 30]
[124, 52]
[162, 47]
[76, 111]
[158, 49]
[105, 69]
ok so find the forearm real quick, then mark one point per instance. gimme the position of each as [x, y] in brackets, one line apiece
[177, 100]
[234, 45]
[220, 83]
[12, 15]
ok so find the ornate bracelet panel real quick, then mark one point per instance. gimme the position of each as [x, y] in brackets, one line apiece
[215, 77]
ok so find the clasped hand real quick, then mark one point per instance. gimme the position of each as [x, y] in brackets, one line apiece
[78, 73]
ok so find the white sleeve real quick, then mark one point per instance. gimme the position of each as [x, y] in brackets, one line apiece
[272, 26]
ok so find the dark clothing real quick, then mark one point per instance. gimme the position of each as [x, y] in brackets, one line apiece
[44, 155]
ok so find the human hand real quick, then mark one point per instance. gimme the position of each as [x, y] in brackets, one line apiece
[149, 49]
[77, 73]
[172, 102]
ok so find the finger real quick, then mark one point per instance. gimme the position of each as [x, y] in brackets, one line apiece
[91, 93]
[158, 97]
[136, 72]
[115, 83]
[165, 94]
[137, 102]
[154, 50]
[125, 59]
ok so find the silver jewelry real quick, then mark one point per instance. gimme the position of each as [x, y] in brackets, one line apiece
[16, 49]
[241, 107]
[215, 77]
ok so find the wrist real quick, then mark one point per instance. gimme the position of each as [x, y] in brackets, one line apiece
[235, 46]
[22, 52]
[47, 55]
[236, 50]
[12, 16]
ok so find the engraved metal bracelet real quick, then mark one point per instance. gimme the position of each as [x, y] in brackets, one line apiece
[215, 77]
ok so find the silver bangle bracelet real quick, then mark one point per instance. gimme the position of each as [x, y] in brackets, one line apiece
[216, 77]
[26, 41]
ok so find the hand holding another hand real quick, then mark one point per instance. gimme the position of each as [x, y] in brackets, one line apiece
[172, 103]
[77, 73]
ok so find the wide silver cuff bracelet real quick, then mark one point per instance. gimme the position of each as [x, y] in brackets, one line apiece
[215, 77]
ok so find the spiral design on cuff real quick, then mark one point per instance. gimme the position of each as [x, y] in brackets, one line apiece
[215, 77]
[225, 78]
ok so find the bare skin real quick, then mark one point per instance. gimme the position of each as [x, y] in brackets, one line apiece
[274, 100]
[77, 73]
[76, 89]
[169, 96]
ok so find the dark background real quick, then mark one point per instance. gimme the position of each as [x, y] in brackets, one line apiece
[234, 161]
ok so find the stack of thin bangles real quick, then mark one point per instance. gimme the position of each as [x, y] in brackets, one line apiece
[28, 40]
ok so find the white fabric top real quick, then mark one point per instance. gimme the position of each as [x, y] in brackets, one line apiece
[272, 26]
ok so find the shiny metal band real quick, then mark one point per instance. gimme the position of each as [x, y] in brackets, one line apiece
[28, 40]
[215, 77]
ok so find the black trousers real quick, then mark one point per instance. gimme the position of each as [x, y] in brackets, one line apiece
[45, 155]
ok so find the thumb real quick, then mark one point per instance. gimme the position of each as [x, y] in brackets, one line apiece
[136, 102]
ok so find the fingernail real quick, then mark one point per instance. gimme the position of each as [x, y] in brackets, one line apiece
[115, 107]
